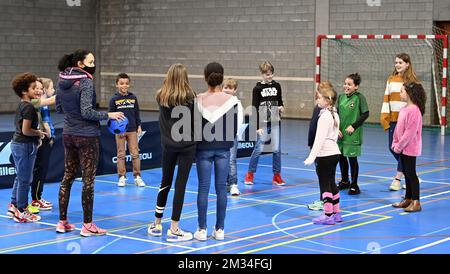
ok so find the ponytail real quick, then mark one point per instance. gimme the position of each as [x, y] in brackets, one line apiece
[71, 60]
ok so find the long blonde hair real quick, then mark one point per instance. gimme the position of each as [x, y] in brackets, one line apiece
[327, 91]
[176, 89]
[409, 75]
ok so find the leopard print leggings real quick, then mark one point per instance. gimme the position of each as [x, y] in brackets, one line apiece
[79, 151]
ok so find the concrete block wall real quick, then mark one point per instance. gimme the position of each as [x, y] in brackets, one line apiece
[147, 36]
[35, 34]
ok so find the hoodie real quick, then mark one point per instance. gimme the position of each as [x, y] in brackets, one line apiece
[266, 99]
[76, 98]
[128, 104]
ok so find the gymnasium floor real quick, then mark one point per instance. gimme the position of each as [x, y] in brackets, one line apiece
[265, 218]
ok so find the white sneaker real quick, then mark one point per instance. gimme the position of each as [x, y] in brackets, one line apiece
[404, 185]
[234, 190]
[138, 181]
[122, 181]
[178, 236]
[395, 185]
[201, 235]
[218, 234]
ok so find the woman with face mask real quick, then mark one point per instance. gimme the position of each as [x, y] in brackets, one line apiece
[76, 98]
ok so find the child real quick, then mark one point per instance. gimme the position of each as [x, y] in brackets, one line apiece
[127, 103]
[230, 87]
[219, 113]
[24, 147]
[325, 152]
[318, 204]
[407, 142]
[175, 96]
[268, 102]
[353, 111]
[46, 90]
[403, 72]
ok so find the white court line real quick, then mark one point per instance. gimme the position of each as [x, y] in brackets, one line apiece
[425, 246]
[360, 175]
[297, 226]
[117, 235]
[405, 241]
[274, 223]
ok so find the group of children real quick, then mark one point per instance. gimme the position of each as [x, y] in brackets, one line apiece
[335, 136]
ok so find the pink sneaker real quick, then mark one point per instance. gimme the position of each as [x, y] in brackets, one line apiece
[64, 226]
[41, 205]
[324, 220]
[91, 229]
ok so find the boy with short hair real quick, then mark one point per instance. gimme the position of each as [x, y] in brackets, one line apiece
[267, 100]
[127, 103]
[230, 87]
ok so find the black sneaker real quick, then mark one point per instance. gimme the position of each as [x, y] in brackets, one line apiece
[354, 190]
[343, 185]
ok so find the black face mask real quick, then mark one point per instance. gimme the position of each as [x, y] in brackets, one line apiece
[90, 70]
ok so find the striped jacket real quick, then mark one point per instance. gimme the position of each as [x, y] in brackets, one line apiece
[391, 101]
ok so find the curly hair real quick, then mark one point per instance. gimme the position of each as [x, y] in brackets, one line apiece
[417, 95]
[22, 82]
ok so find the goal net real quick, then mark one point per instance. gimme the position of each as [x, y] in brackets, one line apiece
[373, 56]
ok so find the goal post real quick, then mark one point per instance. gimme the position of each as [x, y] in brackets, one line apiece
[372, 56]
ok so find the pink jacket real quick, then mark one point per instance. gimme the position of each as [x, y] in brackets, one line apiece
[408, 132]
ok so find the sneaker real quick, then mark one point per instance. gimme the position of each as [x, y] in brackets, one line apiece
[178, 236]
[64, 226]
[40, 205]
[11, 210]
[395, 185]
[249, 178]
[201, 235]
[122, 181]
[26, 217]
[337, 217]
[324, 220]
[354, 190]
[46, 202]
[155, 229]
[404, 185]
[316, 205]
[92, 229]
[343, 185]
[138, 181]
[234, 190]
[33, 209]
[277, 179]
[218, 234]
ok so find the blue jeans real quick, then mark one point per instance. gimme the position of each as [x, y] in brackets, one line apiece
[204, 162]
[232, 173]
[273, 134]
[391, 137]
[24, 155]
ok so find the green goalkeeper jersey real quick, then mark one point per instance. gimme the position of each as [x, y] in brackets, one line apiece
[350, 109]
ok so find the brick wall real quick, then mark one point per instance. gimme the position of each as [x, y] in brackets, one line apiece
[35, 34]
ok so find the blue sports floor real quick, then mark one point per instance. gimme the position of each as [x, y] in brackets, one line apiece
[265, 218]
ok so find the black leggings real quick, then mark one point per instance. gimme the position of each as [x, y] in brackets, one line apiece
[354, 167]
[170, 158]
[411, 179]
[40, 168]
[84, 152]
[326, 171]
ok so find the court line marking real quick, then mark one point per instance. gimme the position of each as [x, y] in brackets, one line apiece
[425, 246]
[369, 176]
[274, 223]
[297, 226]
[405, 241]
[108, 234]
[315, 235]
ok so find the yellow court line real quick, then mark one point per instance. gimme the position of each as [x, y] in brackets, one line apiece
[315, 235]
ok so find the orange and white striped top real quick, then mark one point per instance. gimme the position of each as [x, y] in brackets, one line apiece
[391, 101]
